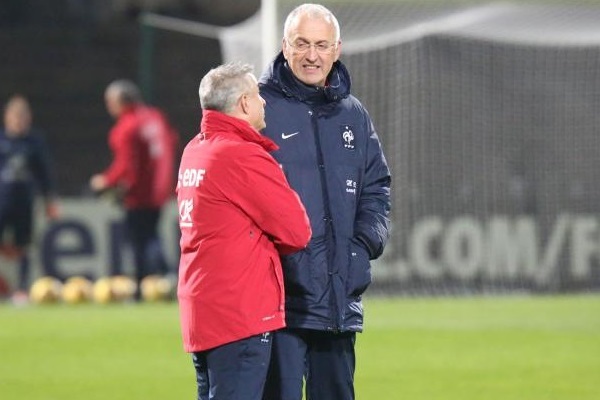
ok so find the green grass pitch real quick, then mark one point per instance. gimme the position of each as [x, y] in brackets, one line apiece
[480, 348]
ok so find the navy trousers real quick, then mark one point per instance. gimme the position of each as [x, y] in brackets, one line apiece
[325, 360]
[142, 228]
[234, 371]
[16, 216]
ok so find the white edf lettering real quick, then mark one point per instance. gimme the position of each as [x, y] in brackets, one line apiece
[191, 177]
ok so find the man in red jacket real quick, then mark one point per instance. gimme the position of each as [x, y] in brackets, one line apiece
[144, 147]
[237, 214]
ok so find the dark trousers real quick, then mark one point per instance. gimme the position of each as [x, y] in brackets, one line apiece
[142, 228]
[16, 217]
[24, 272]
[234, 371]
[16, 221]
[325, 360]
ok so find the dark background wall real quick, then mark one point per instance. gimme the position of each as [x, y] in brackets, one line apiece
[61, 54]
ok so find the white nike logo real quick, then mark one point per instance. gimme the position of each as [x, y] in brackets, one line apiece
[284, 136]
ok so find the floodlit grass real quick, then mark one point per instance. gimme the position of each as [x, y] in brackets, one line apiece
[93, 352]
[444, 348]
[501, 348]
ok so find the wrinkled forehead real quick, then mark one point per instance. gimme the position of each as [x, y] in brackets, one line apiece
[316, 27]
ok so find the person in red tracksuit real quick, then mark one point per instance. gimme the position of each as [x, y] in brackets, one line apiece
[237, 214]
[144, 147]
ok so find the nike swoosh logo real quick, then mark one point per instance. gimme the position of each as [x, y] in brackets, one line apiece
[284, 136]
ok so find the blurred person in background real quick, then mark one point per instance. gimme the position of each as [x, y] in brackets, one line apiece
[237, 213]
[144, 146]
[25, 171]
[331, 155]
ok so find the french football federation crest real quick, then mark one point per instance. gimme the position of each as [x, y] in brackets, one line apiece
[347, 137]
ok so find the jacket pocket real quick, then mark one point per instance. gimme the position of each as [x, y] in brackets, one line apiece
[295, 276]
[305, 272]
[277, 272]
[359, 269]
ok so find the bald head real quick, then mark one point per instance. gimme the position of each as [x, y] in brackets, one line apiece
[121, 94]
[311, 11]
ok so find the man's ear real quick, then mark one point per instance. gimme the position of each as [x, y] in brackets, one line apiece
[284, 48]
[338, 50]
[244, 104]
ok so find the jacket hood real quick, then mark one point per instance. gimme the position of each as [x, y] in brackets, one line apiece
[279, 75]
[217, 123]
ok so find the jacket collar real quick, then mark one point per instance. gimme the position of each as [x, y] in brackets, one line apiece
[279, 75]
[215, 123]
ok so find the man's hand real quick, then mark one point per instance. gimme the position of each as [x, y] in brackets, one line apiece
[97, 183]
[52, 210]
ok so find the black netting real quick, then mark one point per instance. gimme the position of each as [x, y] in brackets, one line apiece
[488, 114]
[492, 139]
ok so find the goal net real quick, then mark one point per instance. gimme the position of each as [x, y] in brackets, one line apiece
[489, 115]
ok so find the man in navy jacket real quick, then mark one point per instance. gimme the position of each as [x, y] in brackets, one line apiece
[332, 158]
[25, 172]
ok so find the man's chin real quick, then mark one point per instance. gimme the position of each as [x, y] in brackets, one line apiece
[312, 80]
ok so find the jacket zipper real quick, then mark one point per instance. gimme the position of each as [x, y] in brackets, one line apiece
[329, 231]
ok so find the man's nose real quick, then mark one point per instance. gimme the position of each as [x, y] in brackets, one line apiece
[312, 54]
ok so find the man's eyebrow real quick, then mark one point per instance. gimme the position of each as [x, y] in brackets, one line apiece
[308, 41]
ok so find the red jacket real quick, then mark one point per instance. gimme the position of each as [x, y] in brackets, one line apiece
[144, 148]
[237, 213]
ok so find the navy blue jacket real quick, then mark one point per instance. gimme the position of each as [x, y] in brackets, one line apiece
[332, 158]
[24, 167]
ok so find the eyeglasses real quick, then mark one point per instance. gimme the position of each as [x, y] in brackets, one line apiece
[302, 47]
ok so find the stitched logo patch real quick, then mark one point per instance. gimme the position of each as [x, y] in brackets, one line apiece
[347, 137]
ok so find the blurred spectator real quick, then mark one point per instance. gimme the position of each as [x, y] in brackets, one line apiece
[25, 170]
[144, 147]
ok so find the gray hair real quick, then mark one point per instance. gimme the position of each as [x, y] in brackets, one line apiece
[222, 86]
[126, 91]
[313, 11]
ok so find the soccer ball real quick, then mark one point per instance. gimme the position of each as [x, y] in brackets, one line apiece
[118, 288]
[102, 291]
[77, 289]
[123, 287]
[45, 290]
[156, 288]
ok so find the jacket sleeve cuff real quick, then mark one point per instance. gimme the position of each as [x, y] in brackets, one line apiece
[372, 252]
